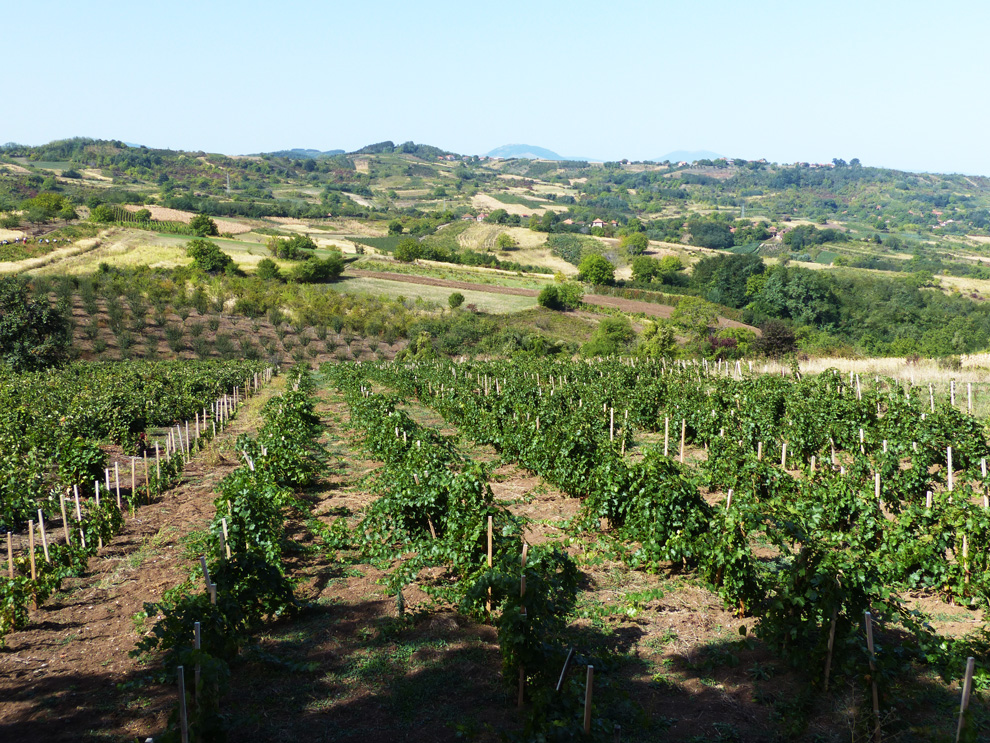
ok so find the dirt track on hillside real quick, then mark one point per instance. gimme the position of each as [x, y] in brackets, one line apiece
[625, 305]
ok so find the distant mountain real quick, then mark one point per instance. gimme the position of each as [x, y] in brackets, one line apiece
[687, 156]
[525, 151]
[303, 153]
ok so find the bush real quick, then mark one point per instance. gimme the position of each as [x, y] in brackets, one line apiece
[207, 256]
[316, 270]
[33, 335]
[596, 269]
[268, 270]
[408, 250]
[635, 244]
[612, 336]
[293, 248]
[203, 226]
[565, 296]
[455, 300]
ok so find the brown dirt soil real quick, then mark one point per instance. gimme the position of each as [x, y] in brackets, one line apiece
[59, 677]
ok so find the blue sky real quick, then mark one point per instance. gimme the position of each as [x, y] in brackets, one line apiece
[897, 84]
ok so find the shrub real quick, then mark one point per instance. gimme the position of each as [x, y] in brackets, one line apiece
[207, 256]
[268, 270]
[596, 269]
[315, 270]
[408, 250]
[455, 300]
[33, 335]
[566, 296]
[203, 226]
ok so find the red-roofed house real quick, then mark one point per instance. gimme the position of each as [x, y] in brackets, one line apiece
[467, 218]
[598, 223]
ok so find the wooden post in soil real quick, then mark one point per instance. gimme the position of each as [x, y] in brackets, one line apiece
[611, 424]
[928, 500]
[226, 538]
[759, 451]
[147, 478]
[197, 645]
[588, 686]
[488, 604]
[44, 537]
[783, 456]
[873, 676]
[210, 585]
[65, 520]
[10, 556]
[183, 717]
[99, 544]
[34, 571]
[831, 645]
[522, 593]
[876, 489]
[116, 474]
[666, 436]
[683, 433]
[931, 397]
[82, 535]
[952, 392]
[967, 690]
[948, 453]
[158, 463]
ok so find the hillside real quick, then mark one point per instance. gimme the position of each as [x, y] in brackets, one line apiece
[852, 259]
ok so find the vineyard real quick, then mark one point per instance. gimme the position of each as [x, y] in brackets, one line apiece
[54, 426]
[814, 508]
[532, 549]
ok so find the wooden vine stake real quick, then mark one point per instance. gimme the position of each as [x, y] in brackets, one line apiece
[969, 397]
[226, 543]
[44, 537]
[666, 436]
[147, 478]
[783, 456]
[34, 570]
[588, 687]
[10, 556]
[116, 474]
[966, 691]
[949, 464]
[488, 604]
[683, 433]
[99, 538]
[759, 451]
[873, 676]
[831, 645]
[210, 586]
[183, 717]
[65, 520]
[197, 645]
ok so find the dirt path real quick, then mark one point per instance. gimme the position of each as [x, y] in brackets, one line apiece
[60, 677]
[625, 305]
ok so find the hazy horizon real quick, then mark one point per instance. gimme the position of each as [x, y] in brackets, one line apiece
[774, 80]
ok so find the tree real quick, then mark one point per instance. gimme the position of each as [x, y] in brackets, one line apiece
[499, 216]
[658, 341]
[505, 241]
[696, 316]
[316, 270]
[777, 339]
[612, 336]
[101, 213]
[708, 233]
[596, 269]
[723, 278]
[203, 226]
[33, 334]
[207, 256]
[268, 270]
[291, 248]
[395, 227]
[408, 250]
[142, 215]
[635, 243]
[562, 296]
[455, 300]
[645, 269]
